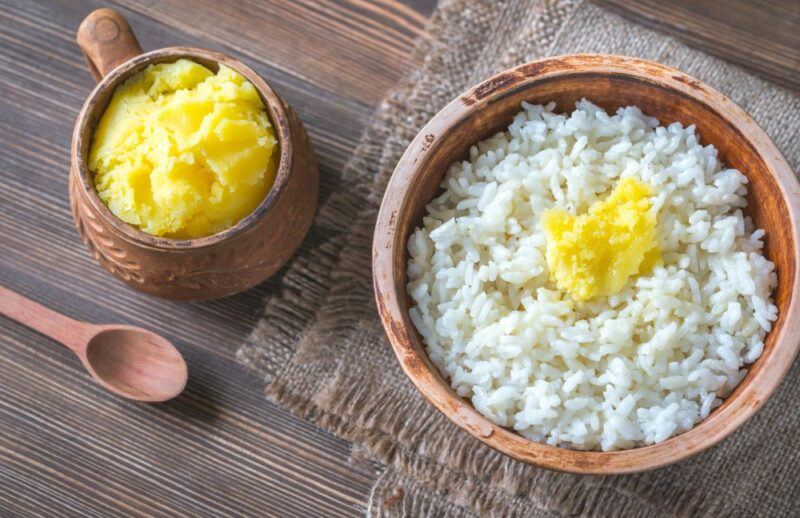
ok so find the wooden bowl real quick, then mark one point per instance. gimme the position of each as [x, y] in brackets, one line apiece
[611, 82]
[192, 269]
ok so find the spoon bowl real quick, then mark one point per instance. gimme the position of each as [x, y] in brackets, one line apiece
[135, 363]
[129, 361]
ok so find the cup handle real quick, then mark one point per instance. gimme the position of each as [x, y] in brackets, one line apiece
[106, 40]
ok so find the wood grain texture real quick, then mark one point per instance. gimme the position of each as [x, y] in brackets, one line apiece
[762, 36]
[221, 448]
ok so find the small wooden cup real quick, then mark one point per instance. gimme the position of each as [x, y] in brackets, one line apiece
[610, 82]
[193, 269]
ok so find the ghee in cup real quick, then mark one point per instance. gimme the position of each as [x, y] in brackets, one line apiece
[182, 152]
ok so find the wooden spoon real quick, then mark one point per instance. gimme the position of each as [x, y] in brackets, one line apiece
[127, 360]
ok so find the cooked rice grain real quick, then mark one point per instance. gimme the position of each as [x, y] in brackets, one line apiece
[633, 368]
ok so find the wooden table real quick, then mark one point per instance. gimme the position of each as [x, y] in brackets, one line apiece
[69, 448]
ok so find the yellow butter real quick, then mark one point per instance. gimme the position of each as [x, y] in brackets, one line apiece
[595, 254]
[182, 152]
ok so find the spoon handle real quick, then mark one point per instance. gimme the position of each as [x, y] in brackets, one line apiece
[71, 333]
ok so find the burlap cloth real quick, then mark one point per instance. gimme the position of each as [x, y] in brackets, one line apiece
[321, 346]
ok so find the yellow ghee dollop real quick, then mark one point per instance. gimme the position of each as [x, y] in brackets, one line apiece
[182, 152]
[596, 253]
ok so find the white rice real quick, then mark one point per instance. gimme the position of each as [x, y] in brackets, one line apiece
[613, 372]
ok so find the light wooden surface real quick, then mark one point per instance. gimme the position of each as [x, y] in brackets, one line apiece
[69, 448]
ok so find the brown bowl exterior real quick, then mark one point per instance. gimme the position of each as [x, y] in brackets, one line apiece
[611, 82]
[215, 266]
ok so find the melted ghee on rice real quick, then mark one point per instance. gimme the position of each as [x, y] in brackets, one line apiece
[596, 253]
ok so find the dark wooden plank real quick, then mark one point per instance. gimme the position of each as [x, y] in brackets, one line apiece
[210, 450]
[66, 446]
[354, 48]
[760, 35]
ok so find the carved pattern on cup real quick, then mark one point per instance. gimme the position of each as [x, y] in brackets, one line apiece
[102, 246]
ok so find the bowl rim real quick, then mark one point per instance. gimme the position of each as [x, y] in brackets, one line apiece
[273, 104]
[437, 391]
